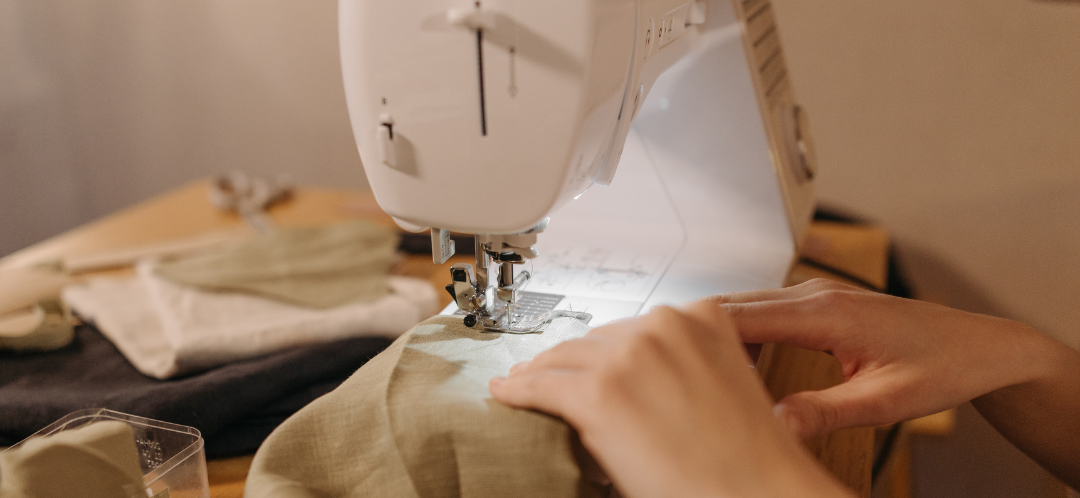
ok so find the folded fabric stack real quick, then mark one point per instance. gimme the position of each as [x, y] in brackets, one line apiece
[235, 406]
[293, 287]
[230, 342]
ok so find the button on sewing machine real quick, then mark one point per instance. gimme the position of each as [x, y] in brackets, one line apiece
[385, 137]
[649, 33]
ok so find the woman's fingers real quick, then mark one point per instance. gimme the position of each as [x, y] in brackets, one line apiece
[574, 354]
[709, 314]
[794, 292]
[814, 322]
[548, 390]
[812, 315]
[856, 403]
[663, 401]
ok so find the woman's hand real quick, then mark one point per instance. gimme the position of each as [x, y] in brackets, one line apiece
[904, 359]
[668, 405]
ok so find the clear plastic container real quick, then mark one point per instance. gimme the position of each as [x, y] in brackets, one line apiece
[172, 458]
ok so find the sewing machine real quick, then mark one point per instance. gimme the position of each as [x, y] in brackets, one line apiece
[495, 117]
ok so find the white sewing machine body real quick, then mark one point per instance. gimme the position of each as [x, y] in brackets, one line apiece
[488, 118]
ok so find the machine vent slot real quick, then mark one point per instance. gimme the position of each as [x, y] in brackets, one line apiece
[766, 51]
[767, 46]
[773, 71]
[752, 7]
[760, 24]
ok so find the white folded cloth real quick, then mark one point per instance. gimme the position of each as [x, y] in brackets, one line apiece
[165, 329]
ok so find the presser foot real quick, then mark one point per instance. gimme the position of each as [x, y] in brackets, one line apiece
[530, 314]
[503, 306]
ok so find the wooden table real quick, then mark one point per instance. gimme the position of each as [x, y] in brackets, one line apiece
[858, 251]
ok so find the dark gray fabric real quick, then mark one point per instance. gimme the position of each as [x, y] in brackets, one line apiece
[234, 406]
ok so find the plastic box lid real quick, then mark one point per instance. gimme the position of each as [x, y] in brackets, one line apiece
[171, 455]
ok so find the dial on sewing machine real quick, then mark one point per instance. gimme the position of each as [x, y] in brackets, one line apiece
[494, 117]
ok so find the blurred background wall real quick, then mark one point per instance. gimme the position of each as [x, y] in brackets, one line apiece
[955, 123]
[107, 102]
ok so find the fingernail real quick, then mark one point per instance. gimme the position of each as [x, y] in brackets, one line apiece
[495, 381]
[784, 416]
[517, 366]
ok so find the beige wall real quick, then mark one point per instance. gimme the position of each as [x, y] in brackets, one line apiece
[107, 102]
[957, 124]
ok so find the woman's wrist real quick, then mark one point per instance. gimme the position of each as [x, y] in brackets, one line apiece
[1035, 356]
[1041, 414]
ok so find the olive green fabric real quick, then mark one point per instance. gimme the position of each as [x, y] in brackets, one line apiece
[99, 460]
[317, 267]
[418, 421]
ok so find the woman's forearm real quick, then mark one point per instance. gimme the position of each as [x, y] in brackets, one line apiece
[1042, 416]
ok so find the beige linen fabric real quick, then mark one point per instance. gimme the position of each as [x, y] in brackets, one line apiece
[418, 421]
[317, 267]
[45, 327]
